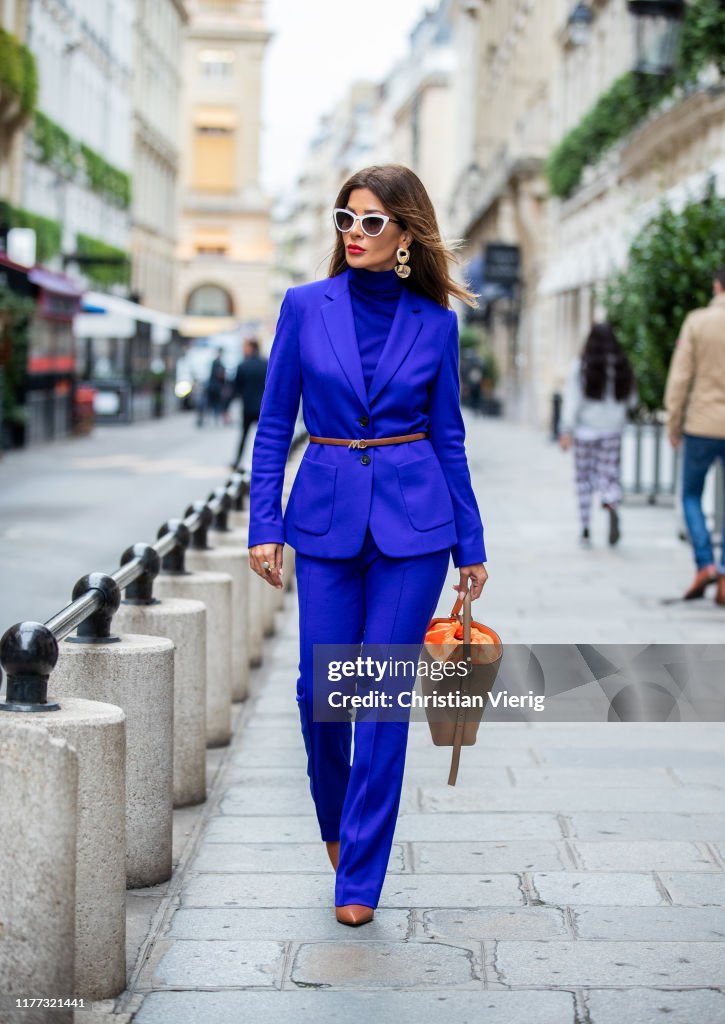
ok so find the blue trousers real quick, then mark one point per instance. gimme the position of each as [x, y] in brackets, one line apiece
[699, 455]
[369, 598]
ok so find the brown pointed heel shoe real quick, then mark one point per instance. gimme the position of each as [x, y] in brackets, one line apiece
[701, 582]
[354, 914]
[333, 851]
[720, 592]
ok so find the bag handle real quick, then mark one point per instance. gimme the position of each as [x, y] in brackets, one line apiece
[463, 691]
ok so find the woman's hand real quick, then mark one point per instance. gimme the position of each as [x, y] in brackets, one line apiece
[476, 574]
[564, 442]
[271, 553]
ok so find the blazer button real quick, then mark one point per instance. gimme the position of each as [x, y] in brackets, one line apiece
[365, 460]
[364, 420]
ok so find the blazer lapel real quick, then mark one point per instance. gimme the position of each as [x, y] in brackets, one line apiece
[404, 329]
[340, 325]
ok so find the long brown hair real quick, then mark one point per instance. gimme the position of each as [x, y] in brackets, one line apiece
[405, 197]
[602, 356]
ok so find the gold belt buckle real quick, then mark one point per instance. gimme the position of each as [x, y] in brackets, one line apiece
[360, 442]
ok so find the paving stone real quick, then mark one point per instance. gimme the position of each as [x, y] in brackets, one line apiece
[289, 801]
[274, 857]
[330, 1007]
[418, 759]
[476, 857]
[694, 890]
[646, 1006]
[140, 910]
[561, 799]
[255, 800]
[277, 738]
[621, 757]
[236, 963]
[290, 777]
[376, 964]
[647, 825]
[441, 890]
[608, 777]
[260, 890]
[643, 855]
[498, 825]
[684, 924]
[672, 736]
[308, 924]
[698, 776]
[564, 888]
[591, 964]
[263, 757]
[494, 923]
[272, 829]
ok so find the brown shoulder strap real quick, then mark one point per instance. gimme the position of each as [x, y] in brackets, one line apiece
[463, 689]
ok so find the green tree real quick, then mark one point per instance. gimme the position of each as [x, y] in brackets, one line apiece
[669, 272]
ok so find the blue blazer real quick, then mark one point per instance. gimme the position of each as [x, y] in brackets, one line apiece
[416, 496]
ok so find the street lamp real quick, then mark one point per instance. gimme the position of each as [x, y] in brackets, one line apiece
[658, 25]
[579, 24]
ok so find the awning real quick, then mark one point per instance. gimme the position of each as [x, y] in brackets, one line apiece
[100, 302]
[50, 281]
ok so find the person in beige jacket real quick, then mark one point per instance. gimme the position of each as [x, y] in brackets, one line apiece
[695, 404]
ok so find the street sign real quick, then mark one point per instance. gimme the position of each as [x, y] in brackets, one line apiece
[502, 264]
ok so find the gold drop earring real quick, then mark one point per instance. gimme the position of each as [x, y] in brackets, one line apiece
[402, 256]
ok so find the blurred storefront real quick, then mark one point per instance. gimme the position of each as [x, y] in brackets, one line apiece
[37, 355]
[127, 353]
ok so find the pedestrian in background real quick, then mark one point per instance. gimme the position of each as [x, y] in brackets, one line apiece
[695, 404]
[600, 390]
[475, 377]
[249, 387]
[213, 398]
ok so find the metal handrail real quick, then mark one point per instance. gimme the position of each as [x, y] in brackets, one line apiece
[29, 650]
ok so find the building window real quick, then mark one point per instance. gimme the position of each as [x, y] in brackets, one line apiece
[209, 300]
[216, 64]
[211, 241]
[213, 156]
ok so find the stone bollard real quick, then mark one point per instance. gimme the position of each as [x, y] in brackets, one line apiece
[214, 590]
[38, 796]
[200, 557]
[137, 673]
[184, 623]
[97, 734]
[262, 600]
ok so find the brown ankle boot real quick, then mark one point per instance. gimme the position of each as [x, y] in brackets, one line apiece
[354, 914]
[333, 851]
[720, 592]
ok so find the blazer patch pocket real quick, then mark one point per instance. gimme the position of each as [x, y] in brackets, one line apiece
[425, 492]
[315, 496]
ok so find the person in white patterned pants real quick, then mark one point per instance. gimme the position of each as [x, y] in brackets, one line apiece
[596, 466]
[600, 390]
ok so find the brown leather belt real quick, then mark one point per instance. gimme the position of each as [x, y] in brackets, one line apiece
[365, 442]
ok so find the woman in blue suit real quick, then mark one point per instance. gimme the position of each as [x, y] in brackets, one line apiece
[382, 496]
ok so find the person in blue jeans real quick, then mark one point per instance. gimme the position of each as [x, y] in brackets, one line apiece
[695, 404]
[382, 497]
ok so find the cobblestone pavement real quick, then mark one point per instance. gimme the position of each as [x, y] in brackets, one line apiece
[574, 875]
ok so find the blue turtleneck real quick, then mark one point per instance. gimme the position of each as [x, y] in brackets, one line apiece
[374, 295]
